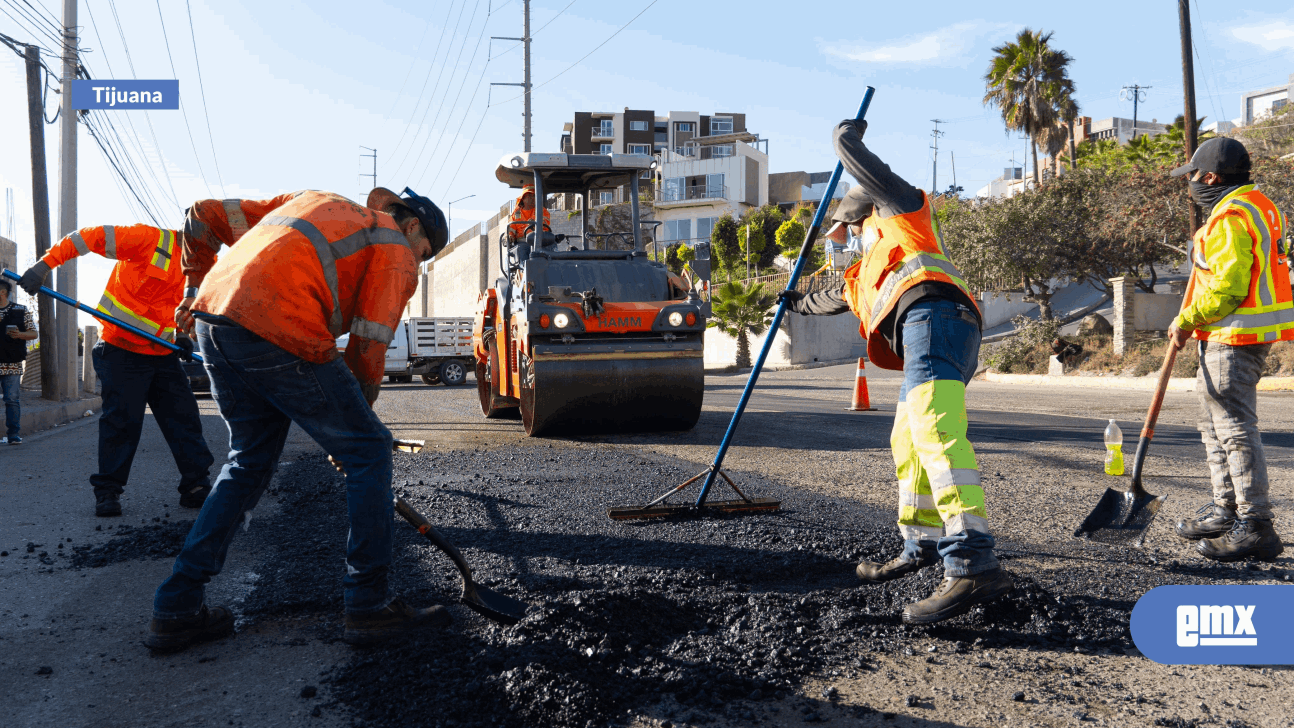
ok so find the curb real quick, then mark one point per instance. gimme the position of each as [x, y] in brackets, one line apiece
[1147, 383]
[784, 367]
[58, 414]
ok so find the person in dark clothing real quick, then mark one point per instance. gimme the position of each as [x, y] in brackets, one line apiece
[919, 317]
[16, 329]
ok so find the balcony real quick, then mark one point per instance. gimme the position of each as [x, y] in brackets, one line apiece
[603, 132]
[694, 192]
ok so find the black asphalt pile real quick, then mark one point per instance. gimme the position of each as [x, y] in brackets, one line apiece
[133, 543]
[692, 619]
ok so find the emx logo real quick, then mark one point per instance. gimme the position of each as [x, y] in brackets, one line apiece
[1215, 625]
[1224, 625]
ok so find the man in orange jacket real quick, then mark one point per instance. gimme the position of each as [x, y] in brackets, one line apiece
[523, 212]
[303, 269]
[143, 290]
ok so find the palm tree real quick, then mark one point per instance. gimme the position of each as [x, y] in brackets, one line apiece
[738, 310]
[1029, 82]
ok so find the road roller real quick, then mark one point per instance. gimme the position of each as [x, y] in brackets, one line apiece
[585, 333]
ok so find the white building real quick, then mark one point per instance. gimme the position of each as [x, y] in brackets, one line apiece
[699, 188]
[1011, 183]
[1258, 105]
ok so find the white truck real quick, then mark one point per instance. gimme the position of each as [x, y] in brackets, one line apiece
[437, 349]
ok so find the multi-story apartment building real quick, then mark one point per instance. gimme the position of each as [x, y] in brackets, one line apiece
[1260, 104]
[787, 189]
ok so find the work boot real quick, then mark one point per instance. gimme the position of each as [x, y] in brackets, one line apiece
[106, 504]
[173, 635]
[870, 571]
[195, 496]
[1211, 521]
[1248, 539]
[396, 620]
[957, 594]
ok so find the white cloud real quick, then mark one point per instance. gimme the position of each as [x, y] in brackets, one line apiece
[1271, 36]
[945, 46]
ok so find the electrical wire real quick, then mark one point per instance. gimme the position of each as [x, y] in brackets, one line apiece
[201, 87]
[426, 25]
[184, 112]
[435, 54]
[404, 158]
[537, 32]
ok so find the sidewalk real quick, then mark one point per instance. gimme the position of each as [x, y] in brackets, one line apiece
[41, 414]
[1148, 382]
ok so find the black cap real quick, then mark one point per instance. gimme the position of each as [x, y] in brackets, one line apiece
[432, 219]
[1219, 155]
[855, 206]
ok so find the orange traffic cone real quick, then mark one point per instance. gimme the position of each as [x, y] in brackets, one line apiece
[861, 403]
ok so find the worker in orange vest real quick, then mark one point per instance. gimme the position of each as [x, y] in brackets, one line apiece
[523, 212]
[917, 316]
[1238, 303]
[143, 289]
[303, 269]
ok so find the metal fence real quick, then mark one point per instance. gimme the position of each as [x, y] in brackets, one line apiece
[694, 192]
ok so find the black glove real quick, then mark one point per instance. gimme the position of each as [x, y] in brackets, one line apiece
[186, 347]
[34, 278]
[790, 297]
[856, 125]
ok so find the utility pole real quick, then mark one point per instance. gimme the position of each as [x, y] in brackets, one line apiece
[40, 218]
[1188, 90]
[65, 321]
[374, 175]
[525, 85]
[1136, 93]
[934, 166]
[956, 189]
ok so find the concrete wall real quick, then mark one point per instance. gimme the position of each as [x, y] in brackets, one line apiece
[801, 340]
[1155, 311]
[999, 307]
[9, 256]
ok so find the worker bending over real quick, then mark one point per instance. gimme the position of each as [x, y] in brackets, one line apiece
[918, 316]
[143, 289]
[312, 266]
[1237, 303]
[523, 212]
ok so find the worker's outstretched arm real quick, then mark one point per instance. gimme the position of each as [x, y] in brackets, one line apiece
[129, 243]
[209, 224]
[891, 193]
[822, 303]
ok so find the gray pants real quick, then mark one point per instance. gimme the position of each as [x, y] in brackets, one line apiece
[1228, 387]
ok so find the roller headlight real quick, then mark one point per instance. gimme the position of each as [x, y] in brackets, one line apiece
[675, 318]
[561, 320]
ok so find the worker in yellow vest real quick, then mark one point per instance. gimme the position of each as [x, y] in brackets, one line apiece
[919, 317]
[1238, 303]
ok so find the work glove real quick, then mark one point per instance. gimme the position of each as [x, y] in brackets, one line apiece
[791, 297]
[859, 126]
[186, 347]
[34, 278]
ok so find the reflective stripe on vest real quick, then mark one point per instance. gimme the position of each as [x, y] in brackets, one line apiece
[111, 306]
[329, 253]
[109, 242]
[913, 266]
[162, 255]
[79, 243]
[1266, 297]
[237, 220]
[1265, 321]
[371, 330]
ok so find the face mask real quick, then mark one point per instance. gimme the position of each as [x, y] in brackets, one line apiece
[1206, 196]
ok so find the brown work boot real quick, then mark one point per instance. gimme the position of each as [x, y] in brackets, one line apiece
[173, 635]
[1247, 539]
[1211, 521]
[396, 620]
[957, 594]
[870, 571]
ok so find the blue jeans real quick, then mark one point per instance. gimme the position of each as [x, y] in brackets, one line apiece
[132, 381]
[940, 340]
[10, 384]
[261, 390]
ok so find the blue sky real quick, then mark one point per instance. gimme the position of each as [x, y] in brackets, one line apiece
[293, 89]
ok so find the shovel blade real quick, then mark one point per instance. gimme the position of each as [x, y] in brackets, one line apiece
[1121, 517]
[492, 605]
[754, 505]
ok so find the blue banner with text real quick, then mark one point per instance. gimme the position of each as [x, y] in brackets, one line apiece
[1223, 624]
[125, 95]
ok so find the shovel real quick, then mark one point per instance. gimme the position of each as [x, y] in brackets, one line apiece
[1123, 517]
[485, 602]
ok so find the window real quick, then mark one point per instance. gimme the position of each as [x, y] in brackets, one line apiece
[721, 125]
[683, 126]
[676, 230]
[604, 149]
[607, 129]
[704, 226]
[689, 151]
[637, 126]
[722, 150]
[606, 197]
[675, 187]
[714, 186]
[640, 149]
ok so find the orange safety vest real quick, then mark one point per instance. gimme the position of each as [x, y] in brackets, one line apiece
[144, 287]
[317, 266]
[1267, 313]
[515, 228]
[898, 253]
[221, 222]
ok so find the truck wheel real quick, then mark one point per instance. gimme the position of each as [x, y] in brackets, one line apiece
[430, 379]
[452, 372]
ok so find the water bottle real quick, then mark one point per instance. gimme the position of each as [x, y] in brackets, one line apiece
[1113, 449]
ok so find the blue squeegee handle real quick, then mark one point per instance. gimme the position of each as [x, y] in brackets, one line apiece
[809, 238]
[103, 316]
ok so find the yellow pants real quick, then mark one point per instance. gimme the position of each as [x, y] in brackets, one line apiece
[939, 487]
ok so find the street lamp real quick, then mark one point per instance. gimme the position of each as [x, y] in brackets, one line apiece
[451, 214]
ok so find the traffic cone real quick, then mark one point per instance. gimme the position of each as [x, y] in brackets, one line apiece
[861, 403]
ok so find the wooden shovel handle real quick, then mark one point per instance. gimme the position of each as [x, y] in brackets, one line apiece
[1152, 416]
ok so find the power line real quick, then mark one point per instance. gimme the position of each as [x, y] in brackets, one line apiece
[586, 55]
[197, 158]
[536, 32]
[418, 101]
[201, 87]
[426, 25]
